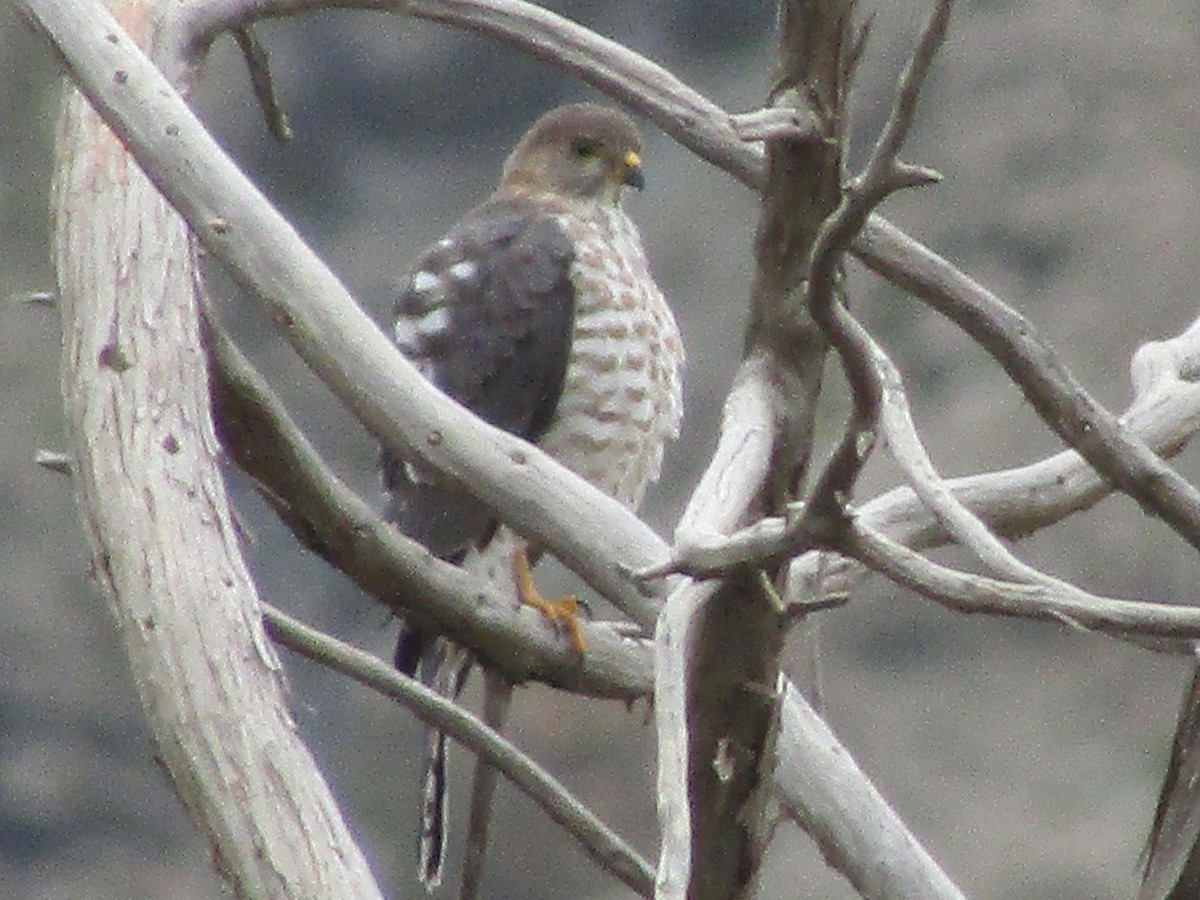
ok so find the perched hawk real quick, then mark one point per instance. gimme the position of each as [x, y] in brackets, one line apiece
[538, 313]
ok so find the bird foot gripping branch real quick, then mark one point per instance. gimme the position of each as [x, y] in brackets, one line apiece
[561, 612]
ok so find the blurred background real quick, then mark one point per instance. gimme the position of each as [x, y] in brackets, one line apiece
[1026, 756]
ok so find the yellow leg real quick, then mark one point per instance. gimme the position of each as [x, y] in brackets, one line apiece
[562, 612]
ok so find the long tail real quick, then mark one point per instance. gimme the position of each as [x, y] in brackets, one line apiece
[443, 666]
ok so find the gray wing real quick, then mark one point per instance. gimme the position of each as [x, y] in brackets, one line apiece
[486, 316]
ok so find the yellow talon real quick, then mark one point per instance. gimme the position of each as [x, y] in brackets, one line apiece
[562, 611]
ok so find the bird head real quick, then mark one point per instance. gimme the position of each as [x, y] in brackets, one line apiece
[582, 151]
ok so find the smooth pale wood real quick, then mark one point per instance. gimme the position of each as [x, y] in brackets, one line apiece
[164, 547]
[852, 824]
[702, 836]
[319, 317]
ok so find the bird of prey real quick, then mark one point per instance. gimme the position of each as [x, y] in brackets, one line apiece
[538, 312]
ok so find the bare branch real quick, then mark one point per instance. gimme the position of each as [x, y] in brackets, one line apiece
[717, 645]
[855, 828]
[333, 521]
[36, 298]
[1048, 600]
[1165, 415]
[904, 108]
[55, 461]
[679, 110]
[776, 123]
[905, 444]
[497, 697]
[600, 842]
[163, 544]
[1058, 398]
[882, 176]
[738, 467]
[960, 523]
[255, 55]
[345, 348]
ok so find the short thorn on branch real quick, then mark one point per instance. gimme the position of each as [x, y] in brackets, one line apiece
[35, 298]
[778, 123]
[55, 461]
[798, 609]
[913, 175]
[655, 572]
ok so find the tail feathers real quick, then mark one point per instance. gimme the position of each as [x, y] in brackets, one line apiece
[442, 666]
[431, 846]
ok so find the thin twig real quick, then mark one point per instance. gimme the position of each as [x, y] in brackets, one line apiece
[601, 843]
[1055, 601]
[279, 123]
[882, 176]
[36, 298]
[918, 469]
[1055, 394]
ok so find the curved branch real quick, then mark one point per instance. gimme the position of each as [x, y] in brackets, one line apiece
[1059, 399]
[642, 85]
[882, 176]
[600, 842]
[1047, 600]
[331, 333]
[334, 522]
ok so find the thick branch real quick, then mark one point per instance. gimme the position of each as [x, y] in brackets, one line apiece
[164, 546]
[538, 497]
[717, 645]
[333, 521]
[855, 828]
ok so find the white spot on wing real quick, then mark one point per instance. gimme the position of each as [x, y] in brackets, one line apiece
[405, 334]
[433, 322]
[425, 282]
[464, 271]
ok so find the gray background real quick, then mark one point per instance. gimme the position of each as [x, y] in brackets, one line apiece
[1026, 756]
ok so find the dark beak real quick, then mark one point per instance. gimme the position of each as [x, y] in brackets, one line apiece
[632, 170]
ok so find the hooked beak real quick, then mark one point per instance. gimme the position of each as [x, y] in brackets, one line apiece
[631, 170]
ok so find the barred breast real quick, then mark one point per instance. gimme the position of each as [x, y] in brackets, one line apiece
[622, 398]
